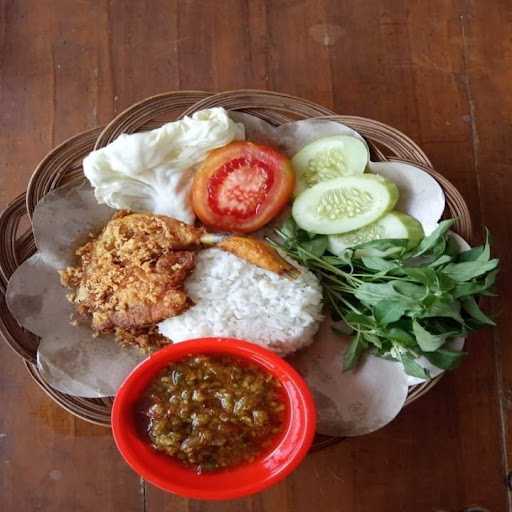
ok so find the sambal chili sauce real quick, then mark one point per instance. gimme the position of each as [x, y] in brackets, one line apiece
[213, 412]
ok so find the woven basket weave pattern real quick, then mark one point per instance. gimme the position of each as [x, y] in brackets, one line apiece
[63, 165]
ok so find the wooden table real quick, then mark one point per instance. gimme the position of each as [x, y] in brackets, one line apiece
[439, 70]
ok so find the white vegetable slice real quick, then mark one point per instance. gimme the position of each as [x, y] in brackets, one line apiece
[329, 158]
[344, 204]
[421, 196]
[153, 171]
[391, 225]
[350, 403]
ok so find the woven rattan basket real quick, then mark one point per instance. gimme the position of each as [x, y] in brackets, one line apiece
[63, 165]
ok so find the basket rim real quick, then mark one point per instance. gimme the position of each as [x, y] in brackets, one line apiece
[48, 157]
[414, 391]
[209, 96]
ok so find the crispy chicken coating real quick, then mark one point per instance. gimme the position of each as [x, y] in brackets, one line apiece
[131, 276]
[147, 338]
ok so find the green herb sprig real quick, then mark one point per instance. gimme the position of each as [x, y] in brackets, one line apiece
[400, 302]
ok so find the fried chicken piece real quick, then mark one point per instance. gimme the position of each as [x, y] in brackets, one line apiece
[132, 274]
[259, 253]
[148, 235]
[147, 296]
[147, 338]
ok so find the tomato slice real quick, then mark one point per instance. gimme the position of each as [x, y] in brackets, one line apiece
[241, 186]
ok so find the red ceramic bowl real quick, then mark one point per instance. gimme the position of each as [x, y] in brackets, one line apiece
[164, 472]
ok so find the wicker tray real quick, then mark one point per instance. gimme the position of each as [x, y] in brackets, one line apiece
[63, 165]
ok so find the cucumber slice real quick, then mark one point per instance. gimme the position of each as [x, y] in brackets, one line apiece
[391, 225]
[328, 158]
[421, 196]
[344, 204]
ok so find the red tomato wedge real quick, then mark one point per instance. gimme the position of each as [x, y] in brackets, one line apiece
[241, 186]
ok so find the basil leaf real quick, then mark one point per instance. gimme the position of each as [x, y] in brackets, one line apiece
[471, 254]
[389, 311]
[353, 352]
[490, 279]
[442, 260]
[384, 244]
[445, 283]
[316, 246]
[361, 321]
[447, 327]
[428, 342]
[382, 248]
[420, 261]
[423, 275]
[401, 337]
[429, 257]
[289, 228]
[412, 368]
[469, 269]
[486, 251]
[373, 339]
[431, 240]
[444, 309]
[470, 288]
[410, 290]
[377, 263]
[482, 253]
[345, 258]
[452, 246]
[471, 307]
[371, 293]
[439, 248]
[335, 260]
[444, 358]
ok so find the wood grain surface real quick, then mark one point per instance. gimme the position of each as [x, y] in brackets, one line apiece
[439, 70]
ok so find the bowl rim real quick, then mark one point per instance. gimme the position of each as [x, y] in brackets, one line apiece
[237, 348]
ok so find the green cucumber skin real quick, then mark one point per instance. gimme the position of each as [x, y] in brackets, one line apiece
[412, 230]
[306, 205]
[354, 164]
[416, 232]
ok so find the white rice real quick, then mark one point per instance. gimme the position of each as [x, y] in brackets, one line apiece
[236, 299]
